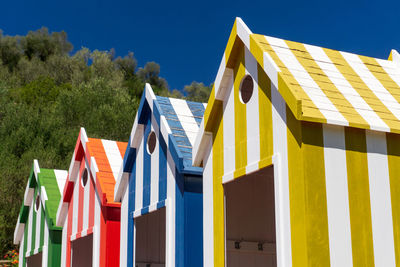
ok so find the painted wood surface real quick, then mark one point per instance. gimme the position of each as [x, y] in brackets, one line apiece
[163, 179]
[322, 119]
[88, 209]
[38, 237]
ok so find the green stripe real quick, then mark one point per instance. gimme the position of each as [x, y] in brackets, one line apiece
[33, 239]
[55, 240]
[25, 242]
[47, 178]
[41, 226]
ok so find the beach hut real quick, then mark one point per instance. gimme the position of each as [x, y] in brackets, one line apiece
[87, 212]
[36, 233]
[160, 190]
[300, 147]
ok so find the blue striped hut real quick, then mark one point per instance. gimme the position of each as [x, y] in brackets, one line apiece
[160, 190]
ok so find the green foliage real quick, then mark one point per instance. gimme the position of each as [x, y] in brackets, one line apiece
[198, 92]
[47, 94]
[41, 44]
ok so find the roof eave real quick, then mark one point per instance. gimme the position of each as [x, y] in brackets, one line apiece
[137, 132]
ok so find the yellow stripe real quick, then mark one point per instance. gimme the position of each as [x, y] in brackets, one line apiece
[240, 119]
[393, 150]
[382, 76]
[286, 81]
[218, 191]
[265, 117]
[363, 90]
[390, 56]
[326, 85]
[230, 45]
[359, 201]
[264, 107]
[207, 111]
[315, 194]
[256, 50]
[296, 192]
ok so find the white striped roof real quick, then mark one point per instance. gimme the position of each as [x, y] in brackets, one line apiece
[329, 86]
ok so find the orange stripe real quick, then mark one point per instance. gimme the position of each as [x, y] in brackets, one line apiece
[122, 148]
[96, 149]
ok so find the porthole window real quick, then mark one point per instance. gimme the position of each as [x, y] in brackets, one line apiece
[246, 89]
[37, 203]
[151, 142]
[84, 177]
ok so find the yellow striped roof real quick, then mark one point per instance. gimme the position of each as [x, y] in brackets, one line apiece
[318, 84]
[336, 87]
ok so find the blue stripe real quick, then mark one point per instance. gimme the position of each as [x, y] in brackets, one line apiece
[175, 153]
[197, 110]
[146, 210]
[146, 164]
[193, 229]
[162, 169]
[179, 220]
[193, 170]
[142, 107]
[156, 112]
[178, 133]
[161, 204]
[129, 158]
[131, 207]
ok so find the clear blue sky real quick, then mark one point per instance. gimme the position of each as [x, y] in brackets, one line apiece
[187, 38]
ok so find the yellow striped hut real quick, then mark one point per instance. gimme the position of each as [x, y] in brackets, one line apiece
[301, 153]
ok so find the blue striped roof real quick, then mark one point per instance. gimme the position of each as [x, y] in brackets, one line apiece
[184, 119]
[179, 121]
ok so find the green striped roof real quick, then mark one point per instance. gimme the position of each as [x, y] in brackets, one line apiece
[50, 184]
[47, 178]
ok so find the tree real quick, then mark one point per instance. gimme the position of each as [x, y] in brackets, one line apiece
[41, 44]
[10, 52]
[197, 92]
[47, 94]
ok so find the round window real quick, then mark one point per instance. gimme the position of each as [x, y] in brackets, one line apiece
[84, 177]
[37, 203]
[151, 142]
[246, 89]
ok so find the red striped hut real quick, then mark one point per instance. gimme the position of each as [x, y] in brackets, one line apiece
[89, 216]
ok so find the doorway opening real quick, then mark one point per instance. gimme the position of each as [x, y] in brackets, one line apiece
[250, 220]
[150, 239]
[82, 251]
[34, 260]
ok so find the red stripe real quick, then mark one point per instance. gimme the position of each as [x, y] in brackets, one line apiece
[81, 196]
[109, 236]
[69, 230]
[113, 242]
[103, 238]
[91, 204]
[68, 190]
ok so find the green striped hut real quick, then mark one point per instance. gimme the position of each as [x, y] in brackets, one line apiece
[36, 231]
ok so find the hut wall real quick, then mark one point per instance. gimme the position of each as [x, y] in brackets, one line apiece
[36, 236]
[336, 194]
